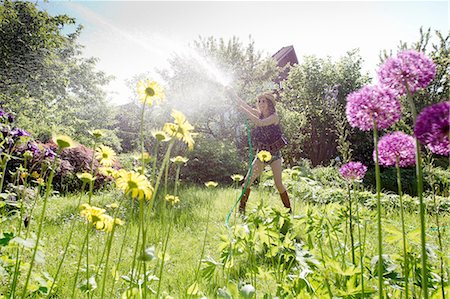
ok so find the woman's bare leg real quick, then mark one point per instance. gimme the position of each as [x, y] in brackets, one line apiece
[277, 170]
[277, 173]
[257, 168]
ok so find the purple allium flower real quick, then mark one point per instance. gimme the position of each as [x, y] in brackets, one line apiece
[353, 171]
[17, 132]
[432, 128]
[2, 112]
[49, 153]
[396, 145]
[372, 103]
[410, 68]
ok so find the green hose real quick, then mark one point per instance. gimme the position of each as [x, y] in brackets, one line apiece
[249, 177]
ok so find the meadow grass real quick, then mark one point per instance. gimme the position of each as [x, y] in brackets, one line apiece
[198, 207]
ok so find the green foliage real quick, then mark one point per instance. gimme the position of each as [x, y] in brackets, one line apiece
[317, 89]
[212, 160]
[194, 89]
[44, 78]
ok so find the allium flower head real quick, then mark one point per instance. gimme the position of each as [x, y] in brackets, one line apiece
[410, 68]
[149, 91]
[372, 103]
[432, 128]
[135, 184]
[352, 171]
[105, 155]
[396, 145]
[264, 156]
[211, 184]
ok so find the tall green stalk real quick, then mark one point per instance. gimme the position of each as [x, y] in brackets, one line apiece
[165, 244]
[361, 252]
[41, 221]
[378, 184]
[402, 218]
[419, 173]
[351, 224]
[66, 247]
[141, 202]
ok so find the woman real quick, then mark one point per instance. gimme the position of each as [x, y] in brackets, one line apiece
[266, 136]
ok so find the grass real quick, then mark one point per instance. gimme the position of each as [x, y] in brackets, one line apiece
[186, 241]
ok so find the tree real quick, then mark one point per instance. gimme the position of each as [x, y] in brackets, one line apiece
[316, 90]
[196, 83]
[44, 78]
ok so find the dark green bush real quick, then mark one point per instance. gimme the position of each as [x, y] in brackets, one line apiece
[212, 160]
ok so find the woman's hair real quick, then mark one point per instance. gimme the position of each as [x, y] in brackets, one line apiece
[270, 99]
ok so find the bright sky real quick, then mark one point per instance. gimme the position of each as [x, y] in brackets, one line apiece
[132, 37]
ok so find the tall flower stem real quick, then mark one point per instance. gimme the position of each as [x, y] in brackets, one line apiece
[91, 190]
[78, 269]
[41, 221]
[155, 158]
[141, 202]
[108, 251]
[66, 247]
[419, 173]
[378, 184]
[165, 244]
[177, 176]
[438, 225]
[351, 224]
[402, 219]
[361, 250]
[4, 164]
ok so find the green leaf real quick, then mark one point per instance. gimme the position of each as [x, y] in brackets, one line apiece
[6, 238]
[193, 289]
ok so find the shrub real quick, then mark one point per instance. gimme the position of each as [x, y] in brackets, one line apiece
[212, 160]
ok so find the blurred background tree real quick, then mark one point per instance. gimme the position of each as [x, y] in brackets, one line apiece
[43, 77]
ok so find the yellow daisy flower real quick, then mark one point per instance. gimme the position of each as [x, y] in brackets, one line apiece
[85, 177]
[180, 129]
[91, 213]
[161, 136]
[211, 184]
[107, 171]
[149, 91]
[264, 156]
[237, 177]
[134, 183]
[179, 160]
[64, 141]
[105, 155]
[172, 199]
[114, 205]
[107, 222]
[97, 133]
